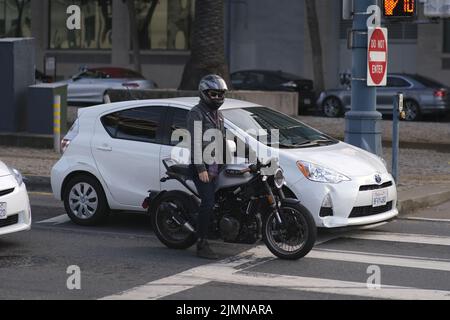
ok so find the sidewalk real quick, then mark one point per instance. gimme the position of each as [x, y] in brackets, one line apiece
[424, 174]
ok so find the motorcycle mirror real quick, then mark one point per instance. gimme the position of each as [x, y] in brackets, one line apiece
[232, 147]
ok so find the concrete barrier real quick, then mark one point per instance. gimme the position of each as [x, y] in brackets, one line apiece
[286, 102]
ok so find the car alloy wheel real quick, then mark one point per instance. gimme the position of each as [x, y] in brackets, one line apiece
[83, 200]
[332, 107]
[412, 110]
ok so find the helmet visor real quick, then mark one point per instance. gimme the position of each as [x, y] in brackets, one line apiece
[216, 94]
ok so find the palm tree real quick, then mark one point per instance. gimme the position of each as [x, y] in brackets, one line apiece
[207, 45]
[314, 34]
[134, 35]
[20, 4]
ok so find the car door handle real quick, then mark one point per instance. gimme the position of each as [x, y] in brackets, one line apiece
[104, 148]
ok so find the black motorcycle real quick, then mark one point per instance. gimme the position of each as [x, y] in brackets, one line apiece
[250, 206]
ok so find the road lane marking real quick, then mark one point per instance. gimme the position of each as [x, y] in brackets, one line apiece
[400, 237]
[376, 259]
[233, 271]
[426, 219]
[56, 220]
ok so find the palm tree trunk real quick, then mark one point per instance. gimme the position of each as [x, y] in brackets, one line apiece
[134, 36]
[314, 34]
[207, 45]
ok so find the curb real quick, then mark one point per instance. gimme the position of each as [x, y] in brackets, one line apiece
[408, 206]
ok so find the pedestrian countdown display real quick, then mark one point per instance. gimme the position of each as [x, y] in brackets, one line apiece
[399, 8]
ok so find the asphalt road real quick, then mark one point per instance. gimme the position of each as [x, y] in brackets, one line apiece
[408, 258]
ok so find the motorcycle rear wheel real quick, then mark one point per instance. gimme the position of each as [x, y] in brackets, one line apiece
[295, 237]
[168, 231]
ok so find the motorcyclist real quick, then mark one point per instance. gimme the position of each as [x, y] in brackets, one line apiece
[206, 115]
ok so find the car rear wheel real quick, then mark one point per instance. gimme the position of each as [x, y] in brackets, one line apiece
[332, 107]
[412, 110]
[85, 201]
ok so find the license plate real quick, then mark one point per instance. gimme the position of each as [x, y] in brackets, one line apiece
[307, 101]
[379, 198]
[3, 210]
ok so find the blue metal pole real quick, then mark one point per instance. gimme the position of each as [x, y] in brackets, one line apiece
[398, 104]
[362, 128]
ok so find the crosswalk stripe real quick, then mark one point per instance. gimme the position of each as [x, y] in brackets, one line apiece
[233, 271]
[400, 237]
[187, 280]
[56, 220]
[387, 260]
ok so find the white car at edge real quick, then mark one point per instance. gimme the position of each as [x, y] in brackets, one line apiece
[15, 212]
[113, 156]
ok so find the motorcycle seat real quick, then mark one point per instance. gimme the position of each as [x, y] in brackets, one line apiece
[181, 169]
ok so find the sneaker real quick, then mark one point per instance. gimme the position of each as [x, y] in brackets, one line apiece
[204, 251]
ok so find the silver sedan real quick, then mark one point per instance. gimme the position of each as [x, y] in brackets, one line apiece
[422, 96]
[89, 86]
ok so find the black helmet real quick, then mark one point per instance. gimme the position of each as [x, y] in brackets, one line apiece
[212, 90]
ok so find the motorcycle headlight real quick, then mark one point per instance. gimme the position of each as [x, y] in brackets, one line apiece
[17, 175]
[318, 173]
[279, 179]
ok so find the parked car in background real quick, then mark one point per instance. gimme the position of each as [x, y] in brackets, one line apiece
[89, 86]
[265, 80]
[15, 212]
[422, 95]
[113, 155]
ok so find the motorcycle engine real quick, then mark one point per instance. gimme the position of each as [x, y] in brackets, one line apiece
[229, 228]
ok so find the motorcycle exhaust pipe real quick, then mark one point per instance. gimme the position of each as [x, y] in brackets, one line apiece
[180, 220]
[186, 225]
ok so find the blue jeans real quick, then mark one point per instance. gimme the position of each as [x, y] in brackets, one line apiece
[207, 193]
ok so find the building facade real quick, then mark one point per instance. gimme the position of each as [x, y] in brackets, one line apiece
[260, 34]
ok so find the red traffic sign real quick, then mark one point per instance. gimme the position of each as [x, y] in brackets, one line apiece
[377, 55]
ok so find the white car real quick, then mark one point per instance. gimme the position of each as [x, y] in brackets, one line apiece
[15, 212]
[113, 156]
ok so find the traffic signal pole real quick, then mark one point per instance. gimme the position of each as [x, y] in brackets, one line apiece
[363, 122]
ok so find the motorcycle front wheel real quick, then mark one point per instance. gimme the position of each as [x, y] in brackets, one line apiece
[294, 237]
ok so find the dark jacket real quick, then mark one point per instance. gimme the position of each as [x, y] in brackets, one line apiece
[201, 113]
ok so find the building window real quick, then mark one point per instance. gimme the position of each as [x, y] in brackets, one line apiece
[96, 25]
[15, 18]
[165, 24]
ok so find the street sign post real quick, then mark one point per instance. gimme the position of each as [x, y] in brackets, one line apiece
[362, 122]
[377, 55]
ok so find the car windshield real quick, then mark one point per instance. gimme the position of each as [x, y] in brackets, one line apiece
[293, 133]
[428, 82]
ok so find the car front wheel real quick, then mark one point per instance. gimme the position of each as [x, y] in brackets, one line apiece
[332, 107]
[412, 110]
[85, 202]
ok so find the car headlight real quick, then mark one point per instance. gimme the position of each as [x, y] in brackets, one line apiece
[17, 175]
[317, 173]
[279, 179]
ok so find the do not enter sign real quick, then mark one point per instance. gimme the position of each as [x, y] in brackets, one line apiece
[377, 57]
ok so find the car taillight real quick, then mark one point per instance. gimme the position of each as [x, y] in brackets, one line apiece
[64, 145]
[441, 93]
[131, 85]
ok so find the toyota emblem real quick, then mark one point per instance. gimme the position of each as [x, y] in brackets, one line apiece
[378, 178]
